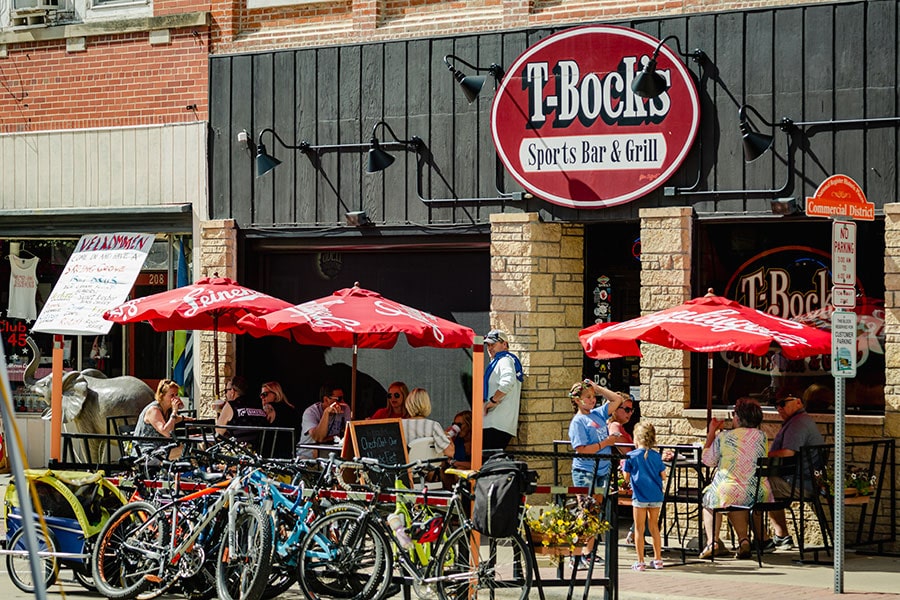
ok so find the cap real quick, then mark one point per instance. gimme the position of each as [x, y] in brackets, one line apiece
[494, 336]
[787, 392]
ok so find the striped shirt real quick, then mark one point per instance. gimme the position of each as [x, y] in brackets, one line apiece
[414, 429]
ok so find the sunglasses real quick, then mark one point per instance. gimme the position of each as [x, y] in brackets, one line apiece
[458, 424]
[266, 393]
[394, 395]
[628, 410]
[336, 397]
[783, 403]
[228, 389]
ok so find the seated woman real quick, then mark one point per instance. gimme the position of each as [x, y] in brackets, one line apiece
[240, 411]
[396, 403]
[279, 413]
[735, 453]
[417, 426]
[159, 418]
[459, 453]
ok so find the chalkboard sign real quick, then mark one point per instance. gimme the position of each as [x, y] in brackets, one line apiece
[383, 440]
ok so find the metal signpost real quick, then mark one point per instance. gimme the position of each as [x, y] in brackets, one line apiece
[840, 198]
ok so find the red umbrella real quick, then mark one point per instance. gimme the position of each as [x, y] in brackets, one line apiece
[356, 317]
[708, 324]
[211, 304]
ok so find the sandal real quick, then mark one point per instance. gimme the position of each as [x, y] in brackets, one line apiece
[656, 564]
[744, 549]
[639, 566]
[721, 550]
[711, 549]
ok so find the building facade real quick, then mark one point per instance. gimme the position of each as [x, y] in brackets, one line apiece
[447, 227]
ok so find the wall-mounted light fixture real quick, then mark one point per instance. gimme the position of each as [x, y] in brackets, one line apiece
[786, 206]
[650, 84]
[755, 143]
[471, 84]
[378, 159]
[358, 218]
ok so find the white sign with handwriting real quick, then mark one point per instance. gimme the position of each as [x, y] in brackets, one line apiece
[99, 275]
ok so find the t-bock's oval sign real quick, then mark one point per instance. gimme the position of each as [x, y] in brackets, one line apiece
[571, 131]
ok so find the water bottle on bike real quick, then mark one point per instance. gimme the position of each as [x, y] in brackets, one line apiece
[397, 523]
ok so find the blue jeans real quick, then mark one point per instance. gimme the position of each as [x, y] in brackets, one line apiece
[583, 479]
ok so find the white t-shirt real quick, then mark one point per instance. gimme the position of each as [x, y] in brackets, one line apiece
[22, 288]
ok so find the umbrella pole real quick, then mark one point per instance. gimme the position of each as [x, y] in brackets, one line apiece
[709, 383]
[216, 355]
[353, 379]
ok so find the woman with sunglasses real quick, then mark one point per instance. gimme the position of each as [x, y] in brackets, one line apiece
[279, 413]
[396, 403]
[621, 417]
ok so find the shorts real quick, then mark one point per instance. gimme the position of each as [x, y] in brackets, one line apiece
[583, 479]
[639, 504]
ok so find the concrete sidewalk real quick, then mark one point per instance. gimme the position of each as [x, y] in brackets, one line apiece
[870, 577]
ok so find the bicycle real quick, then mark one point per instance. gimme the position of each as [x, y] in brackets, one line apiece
[143, 545]
[293, 509]
[458, 565]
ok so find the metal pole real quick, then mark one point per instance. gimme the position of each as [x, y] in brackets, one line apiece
[14, 453]
[838, 538]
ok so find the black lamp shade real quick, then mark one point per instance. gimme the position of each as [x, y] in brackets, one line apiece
[264, 162]
[379, 160]
[648, 83]
[755, 143]
[471, 86]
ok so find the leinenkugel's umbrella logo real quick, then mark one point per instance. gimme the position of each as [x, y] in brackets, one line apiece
[571, 131]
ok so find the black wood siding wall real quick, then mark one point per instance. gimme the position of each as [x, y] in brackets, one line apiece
[820, 62]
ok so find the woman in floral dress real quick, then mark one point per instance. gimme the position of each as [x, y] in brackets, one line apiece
[734, 452]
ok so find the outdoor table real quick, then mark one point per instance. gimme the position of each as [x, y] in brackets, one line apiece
[684, 488]
[322, 450]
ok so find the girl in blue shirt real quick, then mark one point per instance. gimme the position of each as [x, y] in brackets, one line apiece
[645, 470]
[589, 435]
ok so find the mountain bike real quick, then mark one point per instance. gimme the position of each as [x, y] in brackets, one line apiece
[459, 564]
[144, 546]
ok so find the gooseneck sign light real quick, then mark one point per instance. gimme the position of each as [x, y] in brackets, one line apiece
[569, 128]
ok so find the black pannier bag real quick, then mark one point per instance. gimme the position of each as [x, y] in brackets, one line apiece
[499, 487]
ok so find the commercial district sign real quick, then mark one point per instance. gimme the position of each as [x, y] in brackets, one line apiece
[570, 130]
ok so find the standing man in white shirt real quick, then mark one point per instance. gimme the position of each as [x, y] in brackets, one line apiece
[502, 392]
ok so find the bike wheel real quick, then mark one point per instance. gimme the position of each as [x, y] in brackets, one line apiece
[126, 556]
[344, 557]
[83, 577]
[19, 566]
[501, 570]
[245, 555]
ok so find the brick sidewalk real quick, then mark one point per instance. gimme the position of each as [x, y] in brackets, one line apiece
[870, 577]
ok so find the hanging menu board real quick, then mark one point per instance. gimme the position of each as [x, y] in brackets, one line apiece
[383, 440]
[98, 276]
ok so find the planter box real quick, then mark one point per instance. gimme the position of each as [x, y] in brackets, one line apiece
[540, 548]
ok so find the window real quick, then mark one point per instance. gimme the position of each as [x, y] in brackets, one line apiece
[24, 14]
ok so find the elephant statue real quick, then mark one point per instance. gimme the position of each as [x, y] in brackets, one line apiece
[89, 397]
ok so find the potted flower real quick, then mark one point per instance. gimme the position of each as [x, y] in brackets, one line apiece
[857, 481]
[559, 529]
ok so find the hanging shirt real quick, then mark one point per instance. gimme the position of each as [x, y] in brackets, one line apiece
[22, 288]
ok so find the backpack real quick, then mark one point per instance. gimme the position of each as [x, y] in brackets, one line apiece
[499, 489]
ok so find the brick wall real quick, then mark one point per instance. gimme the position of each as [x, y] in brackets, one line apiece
[666, 235]
[117, 81]
[218, 256]
[354, 21]
[537, 296]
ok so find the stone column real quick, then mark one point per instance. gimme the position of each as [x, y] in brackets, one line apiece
[666, 235]
[218, 257]
[537, 297]
[891, 321]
